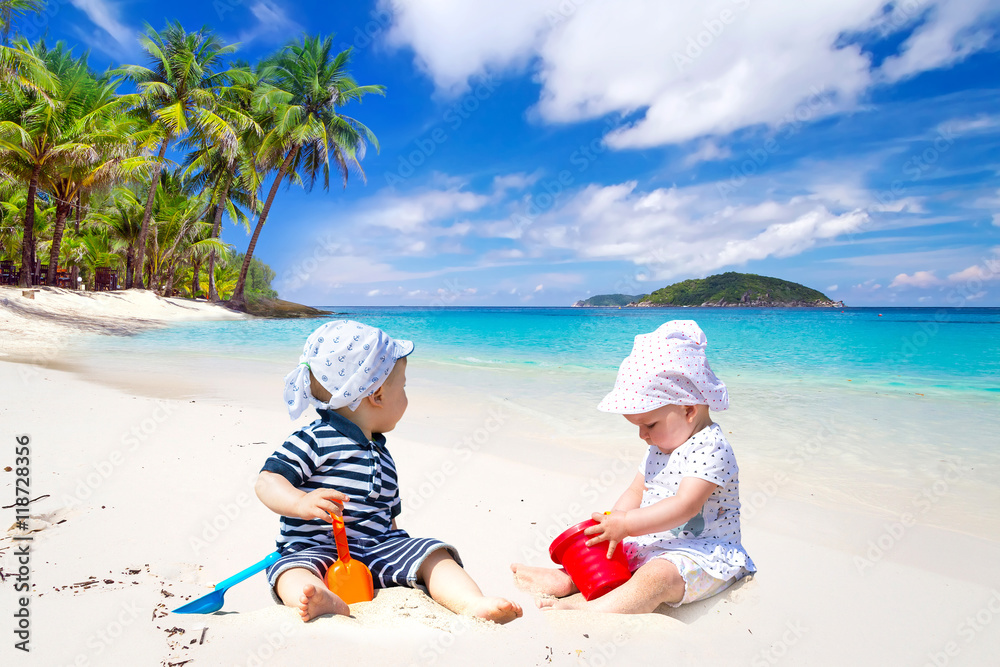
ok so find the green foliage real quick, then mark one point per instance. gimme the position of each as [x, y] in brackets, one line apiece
[9, 9]
[298, 95]
[610, 300]
[84, 181]
[732, 287]
[259, 277]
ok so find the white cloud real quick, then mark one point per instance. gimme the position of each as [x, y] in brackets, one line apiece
[357, 268]
[414, 213]
[687, 69]
[832, 288]
[990, 203]
[975, 273]
[506, 254]
[273, 24]
[902, 205]
[105, 15]
[674, 232]
[518, 181]
[921, 279]
[455, 40]
[962, 126]
[868, 286]
[539, 288]
[951, 32]
[708, 151]
[938, 258]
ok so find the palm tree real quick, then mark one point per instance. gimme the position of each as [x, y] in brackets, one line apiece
[10, 242]
[180, 230]
[32, 137]
[10, 8]
[226, 273]
[97, 248]
[13, 210]
[120, 215]
[92, 115]
[306, 86]
[232, 183]
[179, 90]
[230, 174]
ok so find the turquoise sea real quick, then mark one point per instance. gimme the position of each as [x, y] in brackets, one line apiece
[859, 407]
[940, 350]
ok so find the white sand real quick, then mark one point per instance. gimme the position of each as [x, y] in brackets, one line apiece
[40, 328]
[150, 488]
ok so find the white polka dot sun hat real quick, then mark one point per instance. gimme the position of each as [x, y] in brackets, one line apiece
[666, 367]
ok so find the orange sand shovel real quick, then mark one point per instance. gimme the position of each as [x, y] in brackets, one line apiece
[349, 579]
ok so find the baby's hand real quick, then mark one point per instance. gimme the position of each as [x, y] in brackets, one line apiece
[610, 528]
[320, 504]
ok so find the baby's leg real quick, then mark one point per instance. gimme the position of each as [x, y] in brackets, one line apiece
[452, 587]
[302, 589]
[654, 583]
[543, 580]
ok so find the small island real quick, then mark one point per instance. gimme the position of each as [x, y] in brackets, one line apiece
[609, 301]
[725, 290]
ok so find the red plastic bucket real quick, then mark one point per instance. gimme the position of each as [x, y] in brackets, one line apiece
[589, 567]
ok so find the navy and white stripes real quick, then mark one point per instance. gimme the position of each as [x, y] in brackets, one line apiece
[333, 453]
[394, 558]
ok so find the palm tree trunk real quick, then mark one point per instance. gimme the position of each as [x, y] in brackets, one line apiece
[63, 209]
[79, 210]
[28, 238]
[129, 262]
[171, 272]
[195, 282]
[169, 257]
[213, 294]
[144, 229]
[238, 299]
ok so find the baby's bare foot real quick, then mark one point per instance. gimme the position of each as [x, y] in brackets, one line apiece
[316, 601]
[498, 610]
[544, 580]
[573, 602]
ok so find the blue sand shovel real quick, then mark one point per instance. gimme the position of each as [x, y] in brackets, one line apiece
[213, 602]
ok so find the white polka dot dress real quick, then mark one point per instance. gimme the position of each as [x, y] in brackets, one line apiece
[712, 538]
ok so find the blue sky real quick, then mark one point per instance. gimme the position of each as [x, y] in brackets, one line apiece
[536, 152]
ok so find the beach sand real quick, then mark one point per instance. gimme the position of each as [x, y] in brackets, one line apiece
[147, 476]
[39, 328]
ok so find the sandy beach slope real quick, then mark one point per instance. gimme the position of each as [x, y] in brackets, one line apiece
[148, 503]
[38, 329]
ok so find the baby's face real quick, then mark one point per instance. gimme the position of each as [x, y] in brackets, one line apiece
[668, 427]
[394, 398]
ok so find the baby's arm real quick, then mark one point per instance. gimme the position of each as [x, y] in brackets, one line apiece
[281, 497]
[632, 498]
[662, 515]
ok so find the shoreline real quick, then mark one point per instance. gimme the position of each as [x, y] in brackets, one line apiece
[807, 442]
[856, 457]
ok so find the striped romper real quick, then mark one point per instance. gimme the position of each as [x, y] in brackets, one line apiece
[333, 453]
